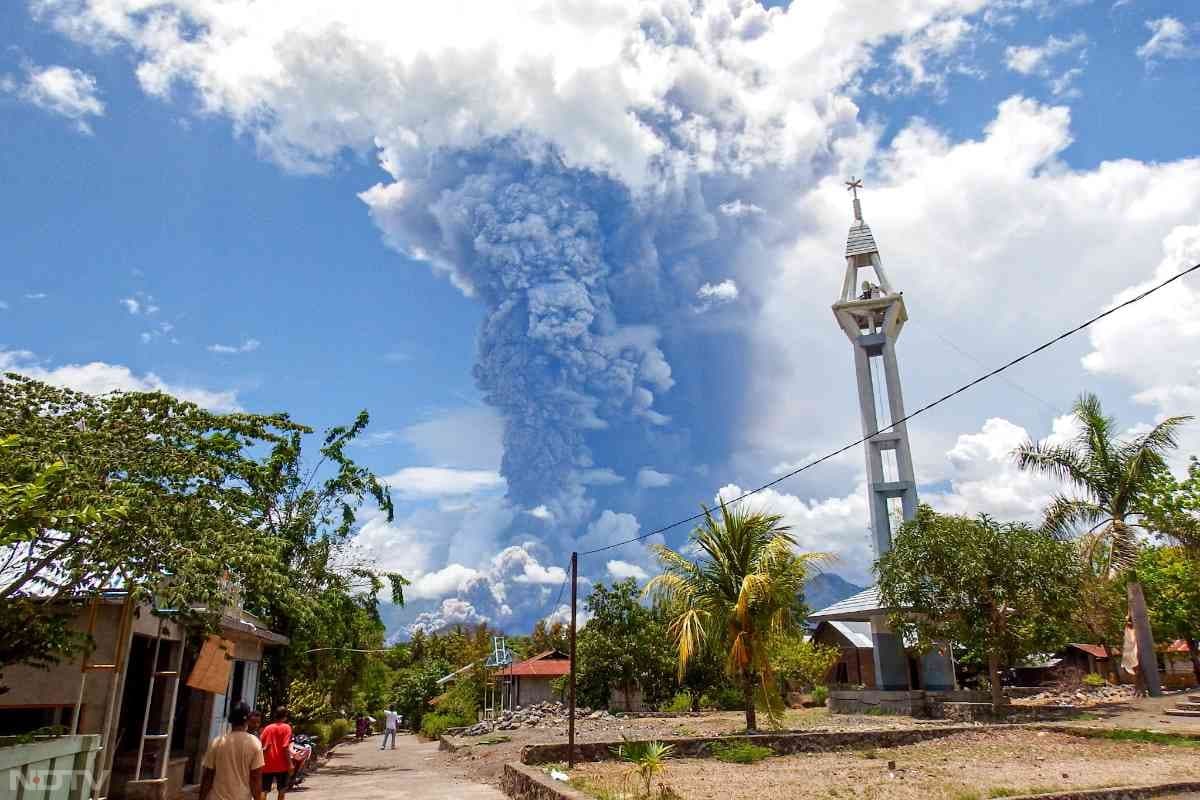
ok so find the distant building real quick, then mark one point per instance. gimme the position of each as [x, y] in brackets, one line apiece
[531, 678]
[856, 667]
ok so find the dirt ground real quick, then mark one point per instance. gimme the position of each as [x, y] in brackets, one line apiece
[486, 761]
[972, 765]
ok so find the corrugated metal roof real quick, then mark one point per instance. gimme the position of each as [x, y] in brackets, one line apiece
[859, 607]
[860, 241]
[857, 633]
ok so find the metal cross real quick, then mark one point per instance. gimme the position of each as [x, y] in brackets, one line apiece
[853, 185]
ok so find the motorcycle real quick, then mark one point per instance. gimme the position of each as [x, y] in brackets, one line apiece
[302, 752]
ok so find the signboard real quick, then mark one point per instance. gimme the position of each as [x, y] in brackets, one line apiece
[213, 665]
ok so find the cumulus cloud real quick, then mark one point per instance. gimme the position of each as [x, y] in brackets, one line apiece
[430, 482]
[247, 346]
[924, 58]
[99, 377]
[1169, 39]
[715, 294]
[63, 91]
[620, 570]
[452, 611]
[1046, 60]
[140, 303]
[649, 478]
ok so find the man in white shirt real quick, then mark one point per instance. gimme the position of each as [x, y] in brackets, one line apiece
[391, 721]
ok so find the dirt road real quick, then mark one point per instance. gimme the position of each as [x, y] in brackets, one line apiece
[412, 770]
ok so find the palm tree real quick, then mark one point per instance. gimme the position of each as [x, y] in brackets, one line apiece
[1112, 478]
[740, 591]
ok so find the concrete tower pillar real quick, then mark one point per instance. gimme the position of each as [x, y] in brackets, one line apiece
[872, 314]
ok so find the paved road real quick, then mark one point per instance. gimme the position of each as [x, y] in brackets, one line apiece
[412, 770]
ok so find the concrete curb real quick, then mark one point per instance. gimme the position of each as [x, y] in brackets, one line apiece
[1117, 792]
[528, 783]
[781, 743]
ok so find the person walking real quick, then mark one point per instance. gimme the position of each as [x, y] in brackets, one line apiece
[233, 763]
[391, 721]
[277, 753]
[360, 727]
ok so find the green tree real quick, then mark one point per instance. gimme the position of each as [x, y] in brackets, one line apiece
[741, 592]
[795, 658]
[331, 607]
[995, 588]
[622, 647]
[1171, 507]
[545, 637]
[1172, 584]
[1112, 478]
[142, 492]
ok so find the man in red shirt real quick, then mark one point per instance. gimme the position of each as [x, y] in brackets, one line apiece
[277, 753]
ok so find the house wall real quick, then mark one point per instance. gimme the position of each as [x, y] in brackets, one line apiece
[532, 690]
[58, 686]
[856, 665]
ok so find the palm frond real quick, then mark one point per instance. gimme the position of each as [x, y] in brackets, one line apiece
[1065, 515]
[1058, 461]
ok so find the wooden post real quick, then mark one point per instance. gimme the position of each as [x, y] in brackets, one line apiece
[571, 684]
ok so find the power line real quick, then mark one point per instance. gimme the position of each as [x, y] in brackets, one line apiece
[913, 414]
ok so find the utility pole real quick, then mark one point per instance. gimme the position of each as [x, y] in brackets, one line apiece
[571, 687]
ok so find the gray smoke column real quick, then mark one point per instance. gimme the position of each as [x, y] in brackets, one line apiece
[552, 253]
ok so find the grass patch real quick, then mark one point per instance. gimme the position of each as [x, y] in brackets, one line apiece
[968, 795]
[495, 740]
[741, 753]
[1006, 791]
[869, 754]
[1138, 735]
[1085, 716]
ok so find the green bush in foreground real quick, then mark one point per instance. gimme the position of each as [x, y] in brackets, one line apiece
[339, 729]
[819, 695]
[434, 725]
[741, 753]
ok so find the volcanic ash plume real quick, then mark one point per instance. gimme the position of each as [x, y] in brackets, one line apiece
[551, 252]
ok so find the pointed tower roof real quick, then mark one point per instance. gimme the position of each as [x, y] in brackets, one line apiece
[859, 241]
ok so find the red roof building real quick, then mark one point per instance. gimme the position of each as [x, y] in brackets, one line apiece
[532, 677]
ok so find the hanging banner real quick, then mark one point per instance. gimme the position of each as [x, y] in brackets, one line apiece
[211, 672]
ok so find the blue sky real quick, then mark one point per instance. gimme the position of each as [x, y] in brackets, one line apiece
[613, 232]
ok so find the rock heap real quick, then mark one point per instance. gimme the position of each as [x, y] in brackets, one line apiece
[538, 715]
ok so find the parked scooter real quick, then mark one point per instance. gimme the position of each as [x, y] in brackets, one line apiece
[302, 752]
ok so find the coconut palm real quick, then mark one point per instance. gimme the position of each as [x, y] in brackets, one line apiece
[741, 591]
[1112, 479]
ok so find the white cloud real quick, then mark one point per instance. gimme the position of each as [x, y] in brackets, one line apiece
[997, 230]
[98, 377]
[1044, 60]
[453, 611]
[739, 208]
[140, 303]
[601, 476]
[620, 570]
[469, 437]
[540, 512]
[131, 305]
[1154, 345]
[648, 478]
[737, 85]
[416, 483]
[510, 559]
[69, 93]
[923, 58]
[1169, 39]
[36, 296]
[247, 346]
[724, 292]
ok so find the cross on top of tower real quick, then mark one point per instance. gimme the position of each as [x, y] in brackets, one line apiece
[853, 185]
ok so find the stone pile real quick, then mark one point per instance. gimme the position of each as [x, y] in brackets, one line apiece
[1083, 696]
[538, 715]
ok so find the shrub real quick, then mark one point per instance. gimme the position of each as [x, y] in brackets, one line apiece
[1094, 680]
[725, 698]
[819, 695]
[319, 731]
[741, 753]
[435, 724]
[648, 759]
[339, 729]
[682, 701]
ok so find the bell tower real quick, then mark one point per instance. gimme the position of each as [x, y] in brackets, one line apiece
[871, 313]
